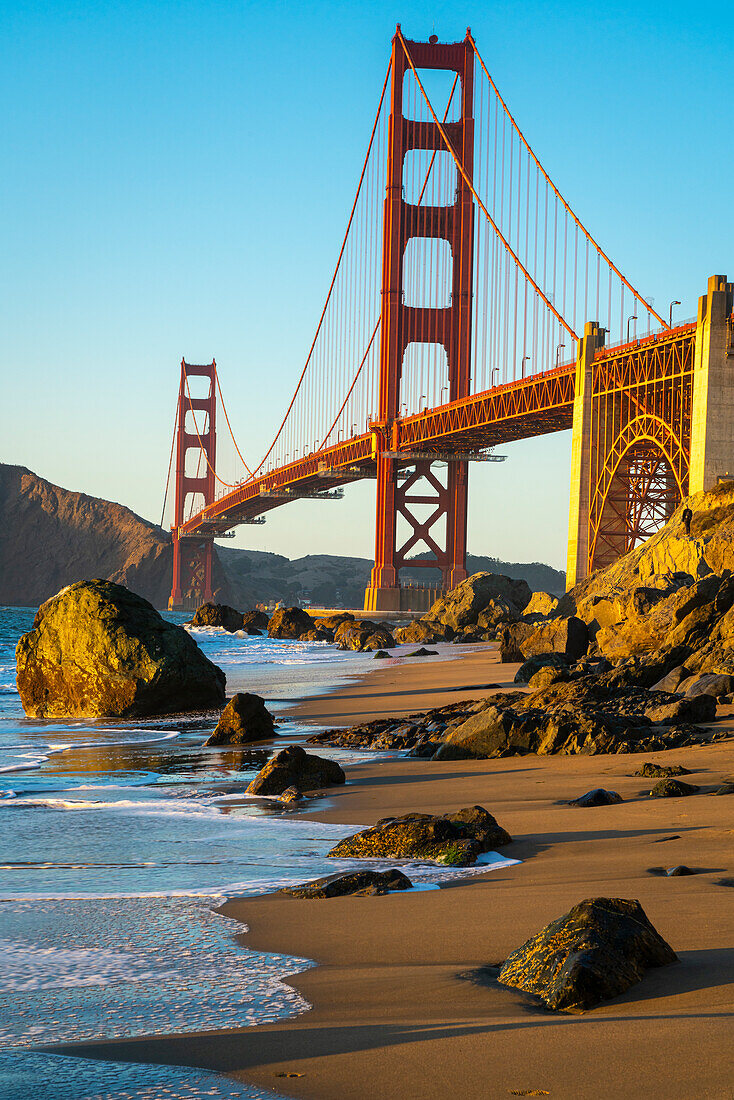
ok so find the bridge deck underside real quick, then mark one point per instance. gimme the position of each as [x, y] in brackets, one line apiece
[534, 406]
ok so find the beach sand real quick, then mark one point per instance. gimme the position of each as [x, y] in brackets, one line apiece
[404, 1003]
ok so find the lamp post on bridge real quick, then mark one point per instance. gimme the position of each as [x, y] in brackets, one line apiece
[495, 370]
[670, 320]
[632, 317]
[558, 354]
[525, 358]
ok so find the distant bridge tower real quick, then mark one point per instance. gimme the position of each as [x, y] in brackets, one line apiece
[403, 324]
[195, 442]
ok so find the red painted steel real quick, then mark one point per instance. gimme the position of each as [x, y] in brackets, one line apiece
[402, 324]
[524, 273]
[192, 551]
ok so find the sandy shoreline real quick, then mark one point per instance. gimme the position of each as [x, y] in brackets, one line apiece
[402, 1008]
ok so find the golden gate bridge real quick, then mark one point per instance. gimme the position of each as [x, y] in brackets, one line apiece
[457, 319]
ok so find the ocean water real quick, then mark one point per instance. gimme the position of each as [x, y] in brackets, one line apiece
[119, 840]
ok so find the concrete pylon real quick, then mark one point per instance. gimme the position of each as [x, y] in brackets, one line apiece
[712, 413]
[577, 564]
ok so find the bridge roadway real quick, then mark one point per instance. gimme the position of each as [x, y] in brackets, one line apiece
[537, 405]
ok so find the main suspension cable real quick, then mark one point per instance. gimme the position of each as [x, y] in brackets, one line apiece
[336, 271]
[170, 464]
[479, 202]
[558, 194]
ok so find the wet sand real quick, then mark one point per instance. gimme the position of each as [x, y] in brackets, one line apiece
[404, 1005]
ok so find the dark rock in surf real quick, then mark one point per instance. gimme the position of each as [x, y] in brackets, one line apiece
[244, 719]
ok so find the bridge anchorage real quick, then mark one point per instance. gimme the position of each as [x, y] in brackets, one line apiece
[462, 326]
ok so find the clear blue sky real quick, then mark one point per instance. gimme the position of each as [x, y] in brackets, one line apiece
[176, 178]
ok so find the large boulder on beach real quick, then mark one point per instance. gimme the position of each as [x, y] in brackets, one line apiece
[363, 635]
[493, 592]
[594, 952]
[218, 614]
[293, 767]
[352, 883]
[97, 650]
[244, 719]
[455, 839]
[290, 623]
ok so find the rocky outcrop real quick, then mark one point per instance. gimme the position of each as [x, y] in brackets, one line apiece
[569, 637]
[363, 635]
[512, 640]
[594, 952]
[529, 669]
[218, 614]
[541, 604]
[585, 716]
[244, 719]
[353, 883]
[293, 767]
[420, 632]
[673, 591]
[482, 601]
[397, 734]
[51, 537]
[289, 622]
[99, 651]
[455, 839]
[254, 621]
[332, 622]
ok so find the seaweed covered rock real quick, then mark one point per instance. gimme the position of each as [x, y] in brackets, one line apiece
[218, 614]
[97, 650]
[244, 719]
[332, 622]
[594, 952]
[293, 767]
[673, 788]
[650, 770]
[352, 883]
[290, 623]
[598, 797]
[456, 839]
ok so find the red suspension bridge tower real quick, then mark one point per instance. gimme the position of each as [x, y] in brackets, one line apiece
[403, 324]
[195, 440]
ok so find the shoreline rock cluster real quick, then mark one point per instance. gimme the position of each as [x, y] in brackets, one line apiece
[587, 715]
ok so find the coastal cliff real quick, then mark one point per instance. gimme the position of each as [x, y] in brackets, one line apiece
[51, 537]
